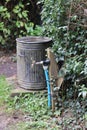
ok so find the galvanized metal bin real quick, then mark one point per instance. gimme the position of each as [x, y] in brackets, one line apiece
[30, 50]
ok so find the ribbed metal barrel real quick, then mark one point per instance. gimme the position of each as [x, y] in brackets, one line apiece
[30, 50]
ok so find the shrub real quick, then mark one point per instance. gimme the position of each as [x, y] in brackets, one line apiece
[66, 22]
[17, 19]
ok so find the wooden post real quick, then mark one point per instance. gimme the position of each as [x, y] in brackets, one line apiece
[53, 74]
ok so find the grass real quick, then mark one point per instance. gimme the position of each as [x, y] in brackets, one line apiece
[4, 90]
[38, 125]
[32, 105]
[38, 116]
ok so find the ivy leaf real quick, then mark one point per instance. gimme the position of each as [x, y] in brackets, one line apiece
[84, 93]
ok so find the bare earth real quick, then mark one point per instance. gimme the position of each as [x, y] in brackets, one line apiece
[8, 65]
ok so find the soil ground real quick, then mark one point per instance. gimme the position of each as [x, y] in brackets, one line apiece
[8, 65]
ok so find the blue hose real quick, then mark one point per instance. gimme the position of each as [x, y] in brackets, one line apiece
[48, 87]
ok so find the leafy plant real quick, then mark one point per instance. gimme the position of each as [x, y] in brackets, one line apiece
[34, 106]
[65, 22]
[15, 21]
[36, 114]
[83, 91]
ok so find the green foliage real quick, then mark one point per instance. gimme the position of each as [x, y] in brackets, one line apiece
[36, 115]
[83, 91]
[66, 22]
[35, 104]
[15, 22]
[4, 90]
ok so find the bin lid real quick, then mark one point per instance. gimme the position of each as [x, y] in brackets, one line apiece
[34, 39]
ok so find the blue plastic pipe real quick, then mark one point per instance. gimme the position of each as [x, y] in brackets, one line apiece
[48, 87]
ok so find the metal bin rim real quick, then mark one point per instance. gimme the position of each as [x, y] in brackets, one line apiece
[34, 40]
